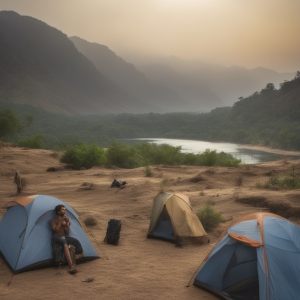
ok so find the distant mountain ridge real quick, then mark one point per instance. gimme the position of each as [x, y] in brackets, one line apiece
[179, 97]
[40, 66]
[227, 83]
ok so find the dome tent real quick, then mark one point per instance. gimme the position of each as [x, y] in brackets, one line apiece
[256, 257]
[25, 232]
[173, 219]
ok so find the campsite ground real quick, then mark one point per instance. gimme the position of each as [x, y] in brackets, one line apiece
[138, 268]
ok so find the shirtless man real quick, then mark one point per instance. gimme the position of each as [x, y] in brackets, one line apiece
[61, 228]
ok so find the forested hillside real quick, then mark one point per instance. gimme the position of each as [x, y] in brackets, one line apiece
[40, 66]
[269, 117]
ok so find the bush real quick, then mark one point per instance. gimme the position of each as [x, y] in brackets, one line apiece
[35, 142]
[209, 217]
[274, 182]
[90, 221]
[145, 154]
[209, 157]
[142, 155]
[10, 123]
[120, 155]
[82, 156]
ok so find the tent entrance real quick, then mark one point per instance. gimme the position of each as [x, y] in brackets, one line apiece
[240, 279]
[164, 228]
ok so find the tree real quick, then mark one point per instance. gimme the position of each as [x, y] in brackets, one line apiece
[269, 88]
[10, 124]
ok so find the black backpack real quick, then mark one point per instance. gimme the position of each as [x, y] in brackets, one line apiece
[113, 232]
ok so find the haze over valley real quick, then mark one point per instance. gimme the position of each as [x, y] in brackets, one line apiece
[117, 73]
[41, 67]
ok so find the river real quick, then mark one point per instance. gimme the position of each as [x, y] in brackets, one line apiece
[247, 156]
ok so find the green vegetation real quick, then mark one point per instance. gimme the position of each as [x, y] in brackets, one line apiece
[286, 182]
[209, 217]
[291, 181]
[145, 154]
[35, 142]
[141, 155]
[10, 124]
[269, 117]
[82, 156]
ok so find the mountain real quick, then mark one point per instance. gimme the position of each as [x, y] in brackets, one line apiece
[235, 82]
[179, 96]
[226, 83]
[195, 92]
[40, 66]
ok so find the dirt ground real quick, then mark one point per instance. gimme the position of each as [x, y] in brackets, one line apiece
[138, 268]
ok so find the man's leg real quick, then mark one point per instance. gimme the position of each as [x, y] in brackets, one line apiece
[63, 243]
[67, 255]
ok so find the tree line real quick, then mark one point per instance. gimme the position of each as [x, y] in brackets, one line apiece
[269, 117]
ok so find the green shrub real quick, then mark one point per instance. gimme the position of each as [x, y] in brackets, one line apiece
[35, 142]
[209, 157]
[209, 217]
[120, 155]
[10, 123]
[166, 154]
[290, 182]
[142, 155]
[145, 154]
[274, 182]
[82, 156]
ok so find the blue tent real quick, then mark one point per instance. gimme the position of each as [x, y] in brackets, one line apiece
[256, 257]
[25, 232]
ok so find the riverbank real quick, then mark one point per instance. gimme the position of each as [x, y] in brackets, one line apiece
[268, 149]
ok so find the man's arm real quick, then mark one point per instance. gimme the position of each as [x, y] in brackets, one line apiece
[66, 224]
[56, 225]
[61, 225]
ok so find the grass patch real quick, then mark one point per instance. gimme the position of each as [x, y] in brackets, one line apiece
[275, 182]
[209, 217]
[164, 184]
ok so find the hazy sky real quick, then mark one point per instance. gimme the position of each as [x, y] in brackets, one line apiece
[248, 33]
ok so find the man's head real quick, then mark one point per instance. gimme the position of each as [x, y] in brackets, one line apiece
[60, 209]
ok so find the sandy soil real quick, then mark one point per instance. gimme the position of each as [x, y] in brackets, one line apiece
[138, 268]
